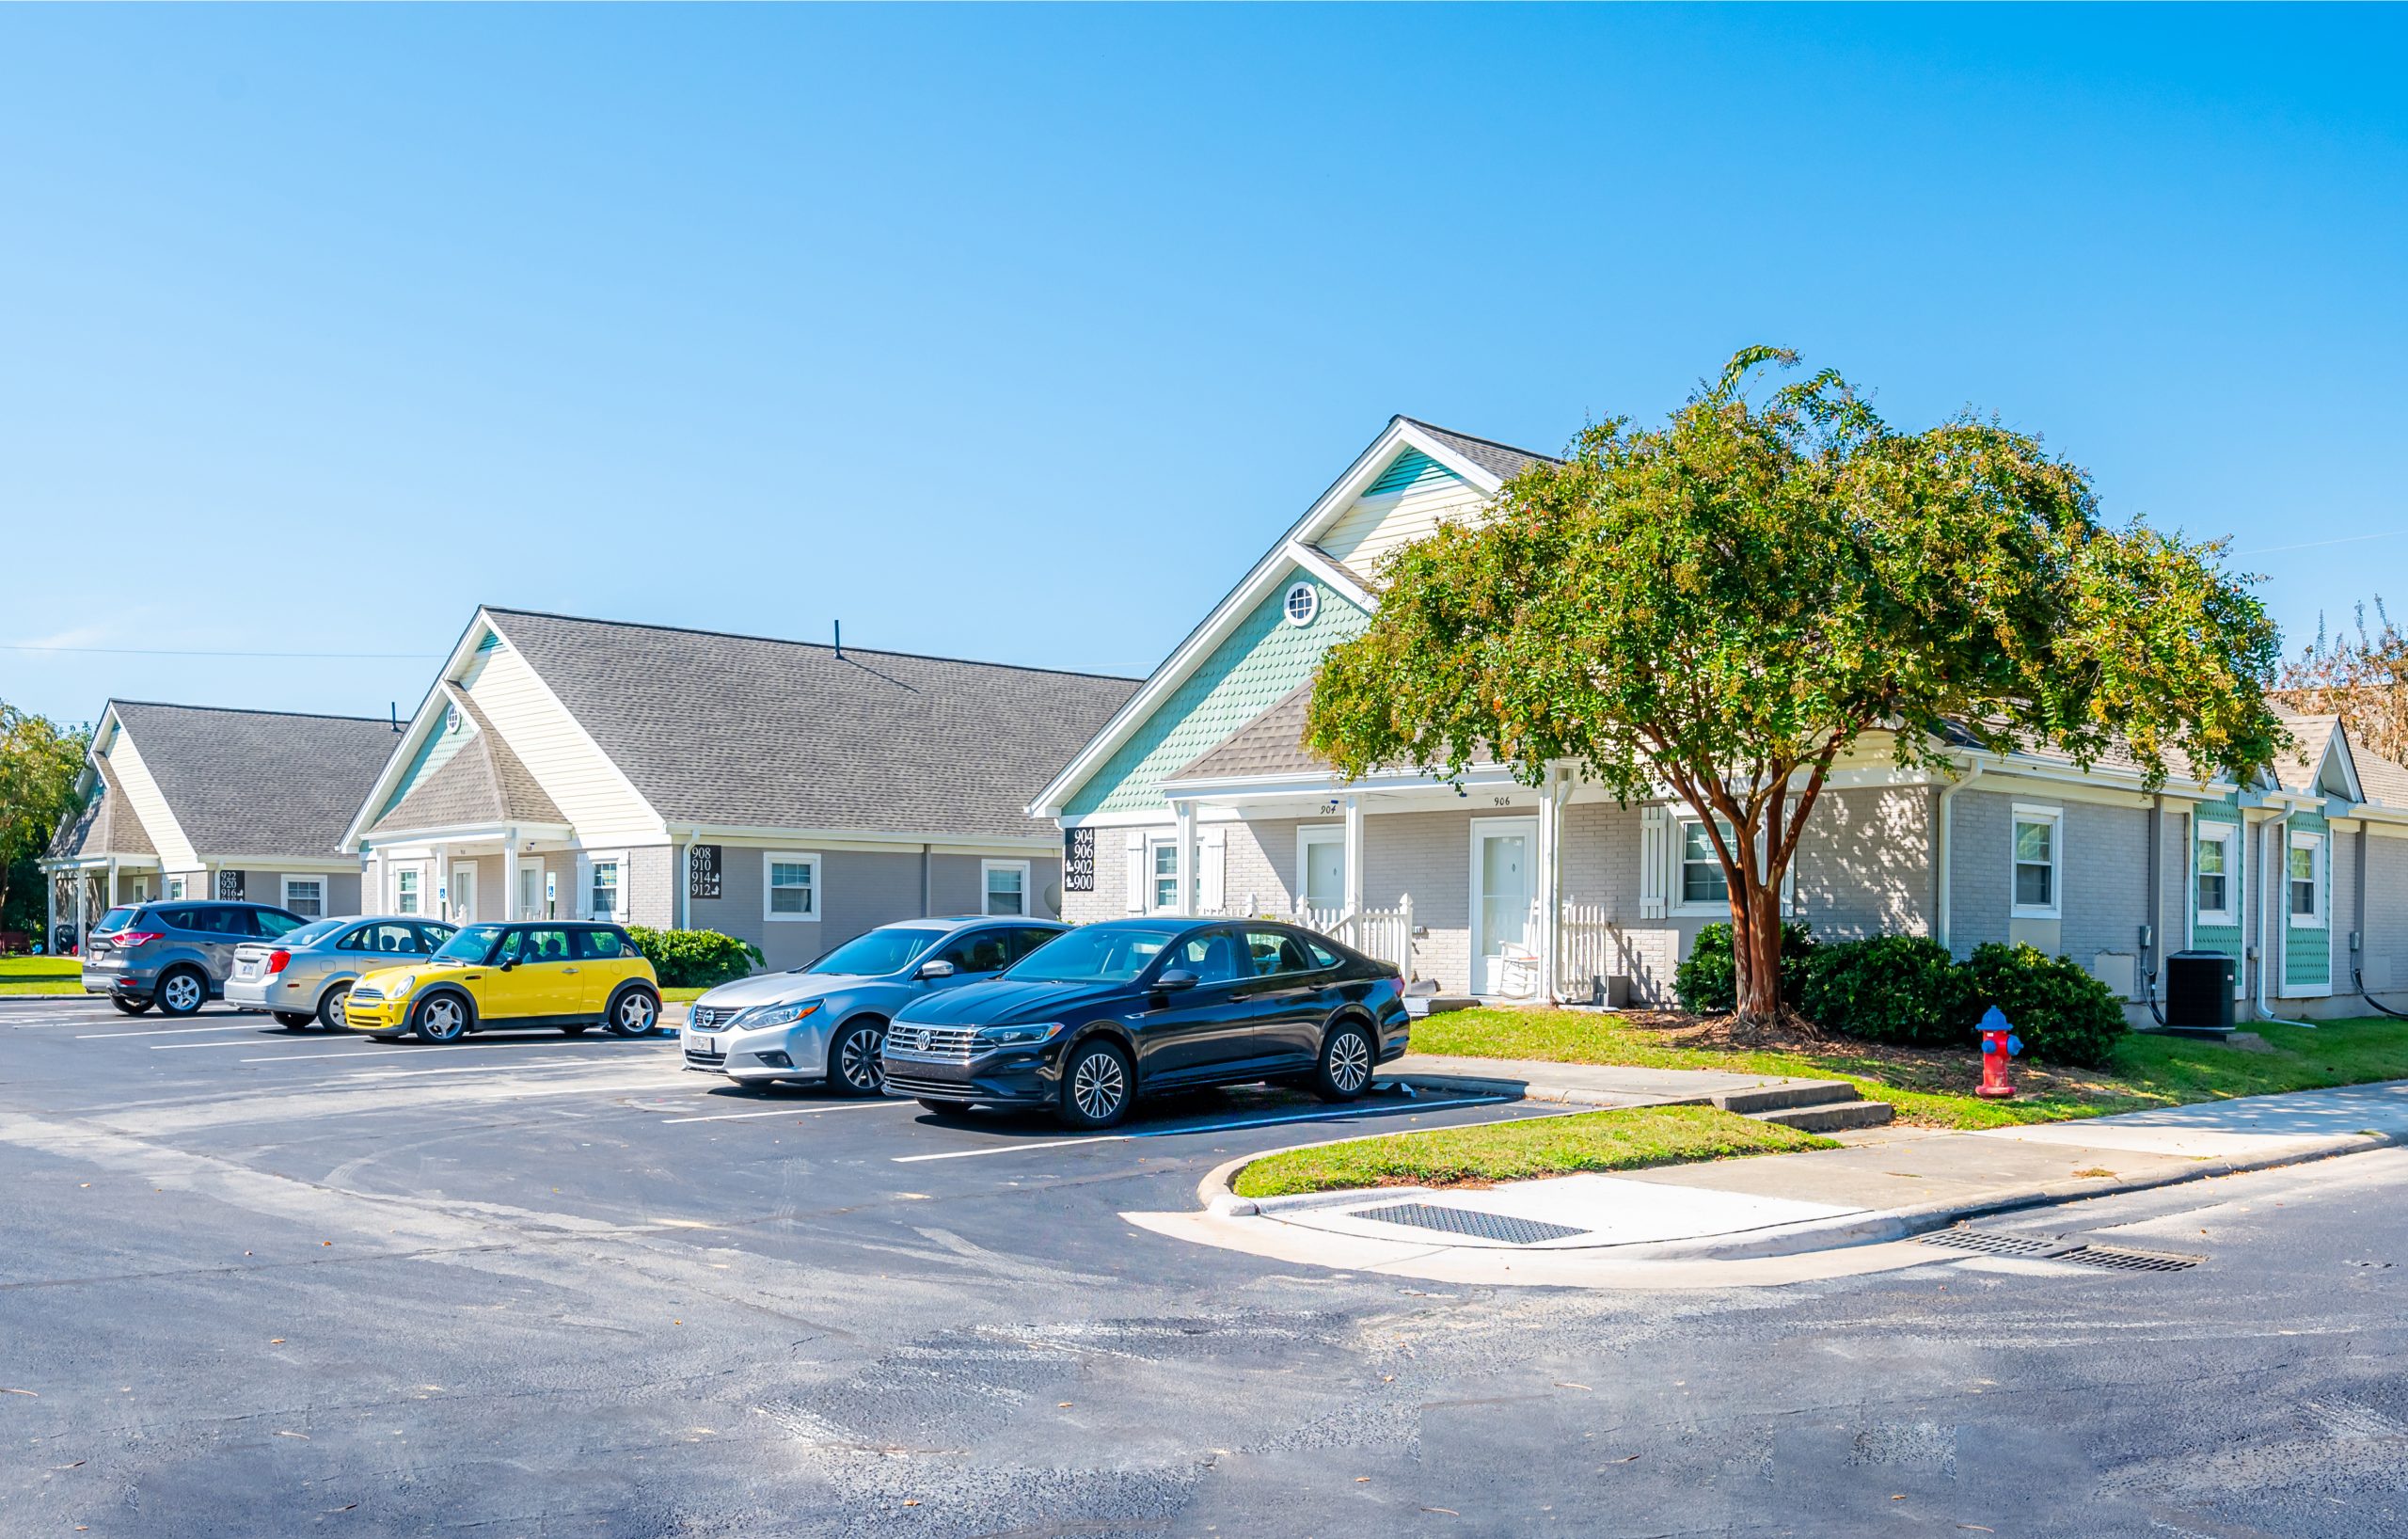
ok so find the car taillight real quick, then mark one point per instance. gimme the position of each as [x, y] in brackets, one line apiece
[134, 936]
[277, 959]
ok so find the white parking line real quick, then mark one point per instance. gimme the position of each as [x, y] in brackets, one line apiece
[792, 1111]
[160, 1031]
[1210, 1127]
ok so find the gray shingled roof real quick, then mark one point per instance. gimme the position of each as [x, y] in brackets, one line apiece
[259, 782]
[106, 826]
[1502, 460]
[748, 731]
[1271, 743]
[483, 783]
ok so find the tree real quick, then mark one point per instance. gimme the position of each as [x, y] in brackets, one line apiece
[2363, 681]
[1728, 604]
[39, 763]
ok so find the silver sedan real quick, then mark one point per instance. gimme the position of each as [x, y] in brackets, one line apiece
[302, 977]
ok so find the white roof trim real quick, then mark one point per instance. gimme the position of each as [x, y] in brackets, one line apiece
[2339, 747]
[1326, 509]
[1311, 558]
[422, 719]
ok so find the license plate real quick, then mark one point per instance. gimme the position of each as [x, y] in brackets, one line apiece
[246, 969]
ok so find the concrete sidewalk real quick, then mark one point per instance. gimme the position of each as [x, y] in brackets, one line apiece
[1782, 1205]
[1574, 1083]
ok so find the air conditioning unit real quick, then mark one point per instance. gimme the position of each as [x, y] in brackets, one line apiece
[2199, 989]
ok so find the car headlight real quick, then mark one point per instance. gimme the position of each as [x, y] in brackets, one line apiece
[401, 987]
[1017, 1035]
[773, 1015]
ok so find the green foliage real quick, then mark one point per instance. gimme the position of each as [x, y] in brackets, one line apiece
[39, 763]
[2062, 1014]
[1707, 983]
[1727, 604]
[695, 959]
[1902, 989]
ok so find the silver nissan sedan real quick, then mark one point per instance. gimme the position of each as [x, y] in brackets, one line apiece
[301, 978]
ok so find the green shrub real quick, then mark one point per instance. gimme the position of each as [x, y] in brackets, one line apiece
[1708, 982]
[2062, 1014]
[695, 959]
[1902, 989]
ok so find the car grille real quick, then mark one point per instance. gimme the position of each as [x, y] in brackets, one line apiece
[712, 1060]
[955, 1042]
[366, 997]
[704, 1017]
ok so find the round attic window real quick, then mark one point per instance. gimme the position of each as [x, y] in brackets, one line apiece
[1303, 602]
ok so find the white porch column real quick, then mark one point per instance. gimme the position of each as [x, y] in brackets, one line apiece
[1354, 900]
[1549, 883]
[442, 905]
[509, 876]
[49, 911]
[1187, 858]
[82, 884]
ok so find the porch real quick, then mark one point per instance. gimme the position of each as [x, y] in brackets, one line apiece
[496, 873]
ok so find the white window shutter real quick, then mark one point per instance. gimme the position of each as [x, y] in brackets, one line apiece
[1655, 861]
[1211, 862]
[580, 903]
[1137, 874]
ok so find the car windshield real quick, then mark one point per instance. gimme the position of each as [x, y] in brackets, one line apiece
[470, 945]
[1098, 954]
[877, 953]
[113, 921]
[310, 934]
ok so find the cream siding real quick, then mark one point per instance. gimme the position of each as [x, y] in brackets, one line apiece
[590, 790]
[1377, 526]
[149, 803]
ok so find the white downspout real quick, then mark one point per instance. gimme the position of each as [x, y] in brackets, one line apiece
[2276, 837]
[1948, 849]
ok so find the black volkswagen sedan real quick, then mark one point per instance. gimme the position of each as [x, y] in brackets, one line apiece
[1094, 1019]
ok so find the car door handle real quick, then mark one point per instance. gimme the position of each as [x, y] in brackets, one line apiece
[568, 969]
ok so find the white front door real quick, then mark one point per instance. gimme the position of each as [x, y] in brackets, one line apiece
[1324, 868]
[463, 894]
[530, 890]
[1502, 852]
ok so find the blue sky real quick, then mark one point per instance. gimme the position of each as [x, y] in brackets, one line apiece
[1019, 333]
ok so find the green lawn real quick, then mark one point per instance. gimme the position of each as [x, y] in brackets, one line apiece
[1935, 1089]
[685, 995]
[1548, 1146]
[40, 975]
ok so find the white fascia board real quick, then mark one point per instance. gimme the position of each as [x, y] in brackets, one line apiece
[1312, 560]
[1250, 591]
[807, 839]
[2338, 748]
[421, 720]
[278, 862]
[457, 832]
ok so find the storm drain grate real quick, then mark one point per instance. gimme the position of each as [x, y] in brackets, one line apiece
[2113, 1260]
[1991, 1244]
[1484, 1226]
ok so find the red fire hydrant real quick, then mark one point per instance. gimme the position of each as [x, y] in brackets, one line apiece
[1999, 1044]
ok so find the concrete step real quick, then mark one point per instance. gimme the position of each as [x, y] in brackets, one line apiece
[1830, 1117]
[1771, 1097]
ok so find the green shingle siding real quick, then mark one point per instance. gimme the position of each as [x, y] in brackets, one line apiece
[2228, 939]
[2308, 954]
[1261, 660]
[1410, 470]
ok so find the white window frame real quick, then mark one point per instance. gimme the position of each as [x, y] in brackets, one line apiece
[2314, 843]
[409, 890]
[987, 894]
[175, 887]
[1154, 877]
[2055, 819]
[2228, 836]
[589, 875]
[1311, 596]
[1678, 887]
[770, 860]
[1310, 835]
[326, 894]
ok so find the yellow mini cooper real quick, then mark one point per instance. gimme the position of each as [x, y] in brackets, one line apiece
[490, 976]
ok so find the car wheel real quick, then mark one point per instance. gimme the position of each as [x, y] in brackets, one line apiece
[330, 1008]
[295, 1019]
[945, 1108]
[440, 1018]
[182, 991]
[575, 1029]
[853, 1065]
[1096, 1085]
[1347, 1059]
[636, 1011]
[130, 1007]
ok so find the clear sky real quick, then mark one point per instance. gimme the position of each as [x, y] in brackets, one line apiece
[1018, 334]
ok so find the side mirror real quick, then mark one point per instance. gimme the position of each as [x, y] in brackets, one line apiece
[939, 968]
[1175, 978]
[509, 962]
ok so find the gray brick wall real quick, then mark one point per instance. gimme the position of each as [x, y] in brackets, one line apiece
[2383, 955]
[1863, 864]
[651, 887]
[1110, 898]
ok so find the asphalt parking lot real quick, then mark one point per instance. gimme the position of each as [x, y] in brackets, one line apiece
[263, 1282]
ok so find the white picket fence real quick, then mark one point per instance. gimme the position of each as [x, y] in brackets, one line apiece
[1381, 934]
[1587, 947]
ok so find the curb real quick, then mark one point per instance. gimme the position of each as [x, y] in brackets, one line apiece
[1217, 1196]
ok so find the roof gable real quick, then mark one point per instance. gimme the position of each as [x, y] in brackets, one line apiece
[106, 824]
[245, 785]
[480, 782]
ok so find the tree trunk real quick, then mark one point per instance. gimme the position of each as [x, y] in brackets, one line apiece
[1755, 947]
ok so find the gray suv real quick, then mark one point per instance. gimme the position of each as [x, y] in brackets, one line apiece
[174, 955]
